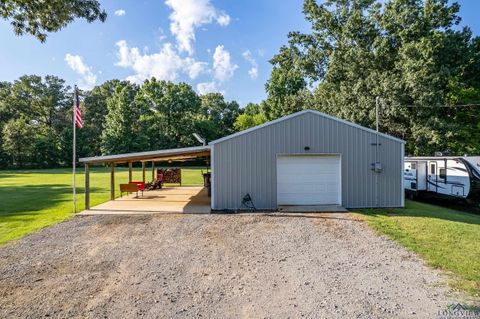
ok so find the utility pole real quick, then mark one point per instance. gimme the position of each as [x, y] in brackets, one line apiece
[377, 102]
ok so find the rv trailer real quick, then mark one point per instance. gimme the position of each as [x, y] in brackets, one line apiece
[447, 177]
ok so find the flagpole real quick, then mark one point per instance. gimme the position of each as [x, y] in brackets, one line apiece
[74, 149]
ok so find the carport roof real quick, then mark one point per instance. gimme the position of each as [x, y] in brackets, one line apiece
[170, 154]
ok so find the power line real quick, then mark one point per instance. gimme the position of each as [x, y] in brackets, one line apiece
[441, 106]
[386, 104]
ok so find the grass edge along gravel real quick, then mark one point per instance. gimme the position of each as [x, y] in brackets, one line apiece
[445, 238]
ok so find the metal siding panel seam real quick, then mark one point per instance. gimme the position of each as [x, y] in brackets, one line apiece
[402, 192]
[212, 166]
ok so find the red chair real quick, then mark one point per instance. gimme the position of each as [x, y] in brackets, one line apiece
[140, 185]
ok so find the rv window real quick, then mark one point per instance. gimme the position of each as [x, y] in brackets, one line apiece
[432, 169]
[443, 173]
[413, 165]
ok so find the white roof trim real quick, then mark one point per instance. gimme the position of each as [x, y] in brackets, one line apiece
[150, 154]
[301, 113]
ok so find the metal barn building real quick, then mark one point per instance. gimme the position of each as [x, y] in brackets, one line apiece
[307, 158]
[304, 159]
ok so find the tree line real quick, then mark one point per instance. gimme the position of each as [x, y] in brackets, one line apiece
[118, 116]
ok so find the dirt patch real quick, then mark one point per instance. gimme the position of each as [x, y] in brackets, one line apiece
[264, 265]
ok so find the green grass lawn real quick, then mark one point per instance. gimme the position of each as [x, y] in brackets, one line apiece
[33, 199]
[445, 238]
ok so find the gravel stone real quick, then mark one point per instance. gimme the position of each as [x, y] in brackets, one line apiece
[216, 266]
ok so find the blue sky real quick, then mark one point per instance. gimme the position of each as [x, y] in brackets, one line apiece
[213, 45]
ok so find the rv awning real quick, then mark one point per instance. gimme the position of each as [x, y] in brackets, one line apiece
[160, 155]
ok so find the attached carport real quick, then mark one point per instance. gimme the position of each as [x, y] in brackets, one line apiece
[175, 199]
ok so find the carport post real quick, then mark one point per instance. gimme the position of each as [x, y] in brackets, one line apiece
[112, 181]
[87, 186]
[129, 172]
[153, 170]
[143, 172]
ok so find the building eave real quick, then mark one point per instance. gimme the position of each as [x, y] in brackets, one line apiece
[175, 153]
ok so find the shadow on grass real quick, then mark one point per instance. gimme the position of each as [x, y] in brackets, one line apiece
[423, 210]
[29, 199]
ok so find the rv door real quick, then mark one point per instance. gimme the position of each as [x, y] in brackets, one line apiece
[432, 176]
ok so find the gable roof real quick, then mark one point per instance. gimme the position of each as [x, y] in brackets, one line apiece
[281, 119]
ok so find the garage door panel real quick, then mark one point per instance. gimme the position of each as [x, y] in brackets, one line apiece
[306, 166]
[310, 199]
[308, 188]
[311, 177]
[308, 179]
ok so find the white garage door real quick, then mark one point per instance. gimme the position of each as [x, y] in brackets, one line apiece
[308, 180]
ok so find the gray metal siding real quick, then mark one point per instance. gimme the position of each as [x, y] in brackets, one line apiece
[247, 163]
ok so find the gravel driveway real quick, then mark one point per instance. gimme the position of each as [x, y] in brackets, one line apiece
[224, 266]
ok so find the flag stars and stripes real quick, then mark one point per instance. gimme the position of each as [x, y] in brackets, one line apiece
[78, 111]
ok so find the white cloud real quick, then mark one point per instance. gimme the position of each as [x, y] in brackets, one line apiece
[253, 72]
[120, 13]
[162, 35]
[206, 87]
[75, 62]
[163, 65]
[223, 68]
[188, 15]
[195, 68]
[248, 56]
[223, 20]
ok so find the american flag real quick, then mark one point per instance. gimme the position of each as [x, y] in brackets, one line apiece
[78, 112]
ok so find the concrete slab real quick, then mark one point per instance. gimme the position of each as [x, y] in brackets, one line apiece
[311, 209]
[188, 200]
